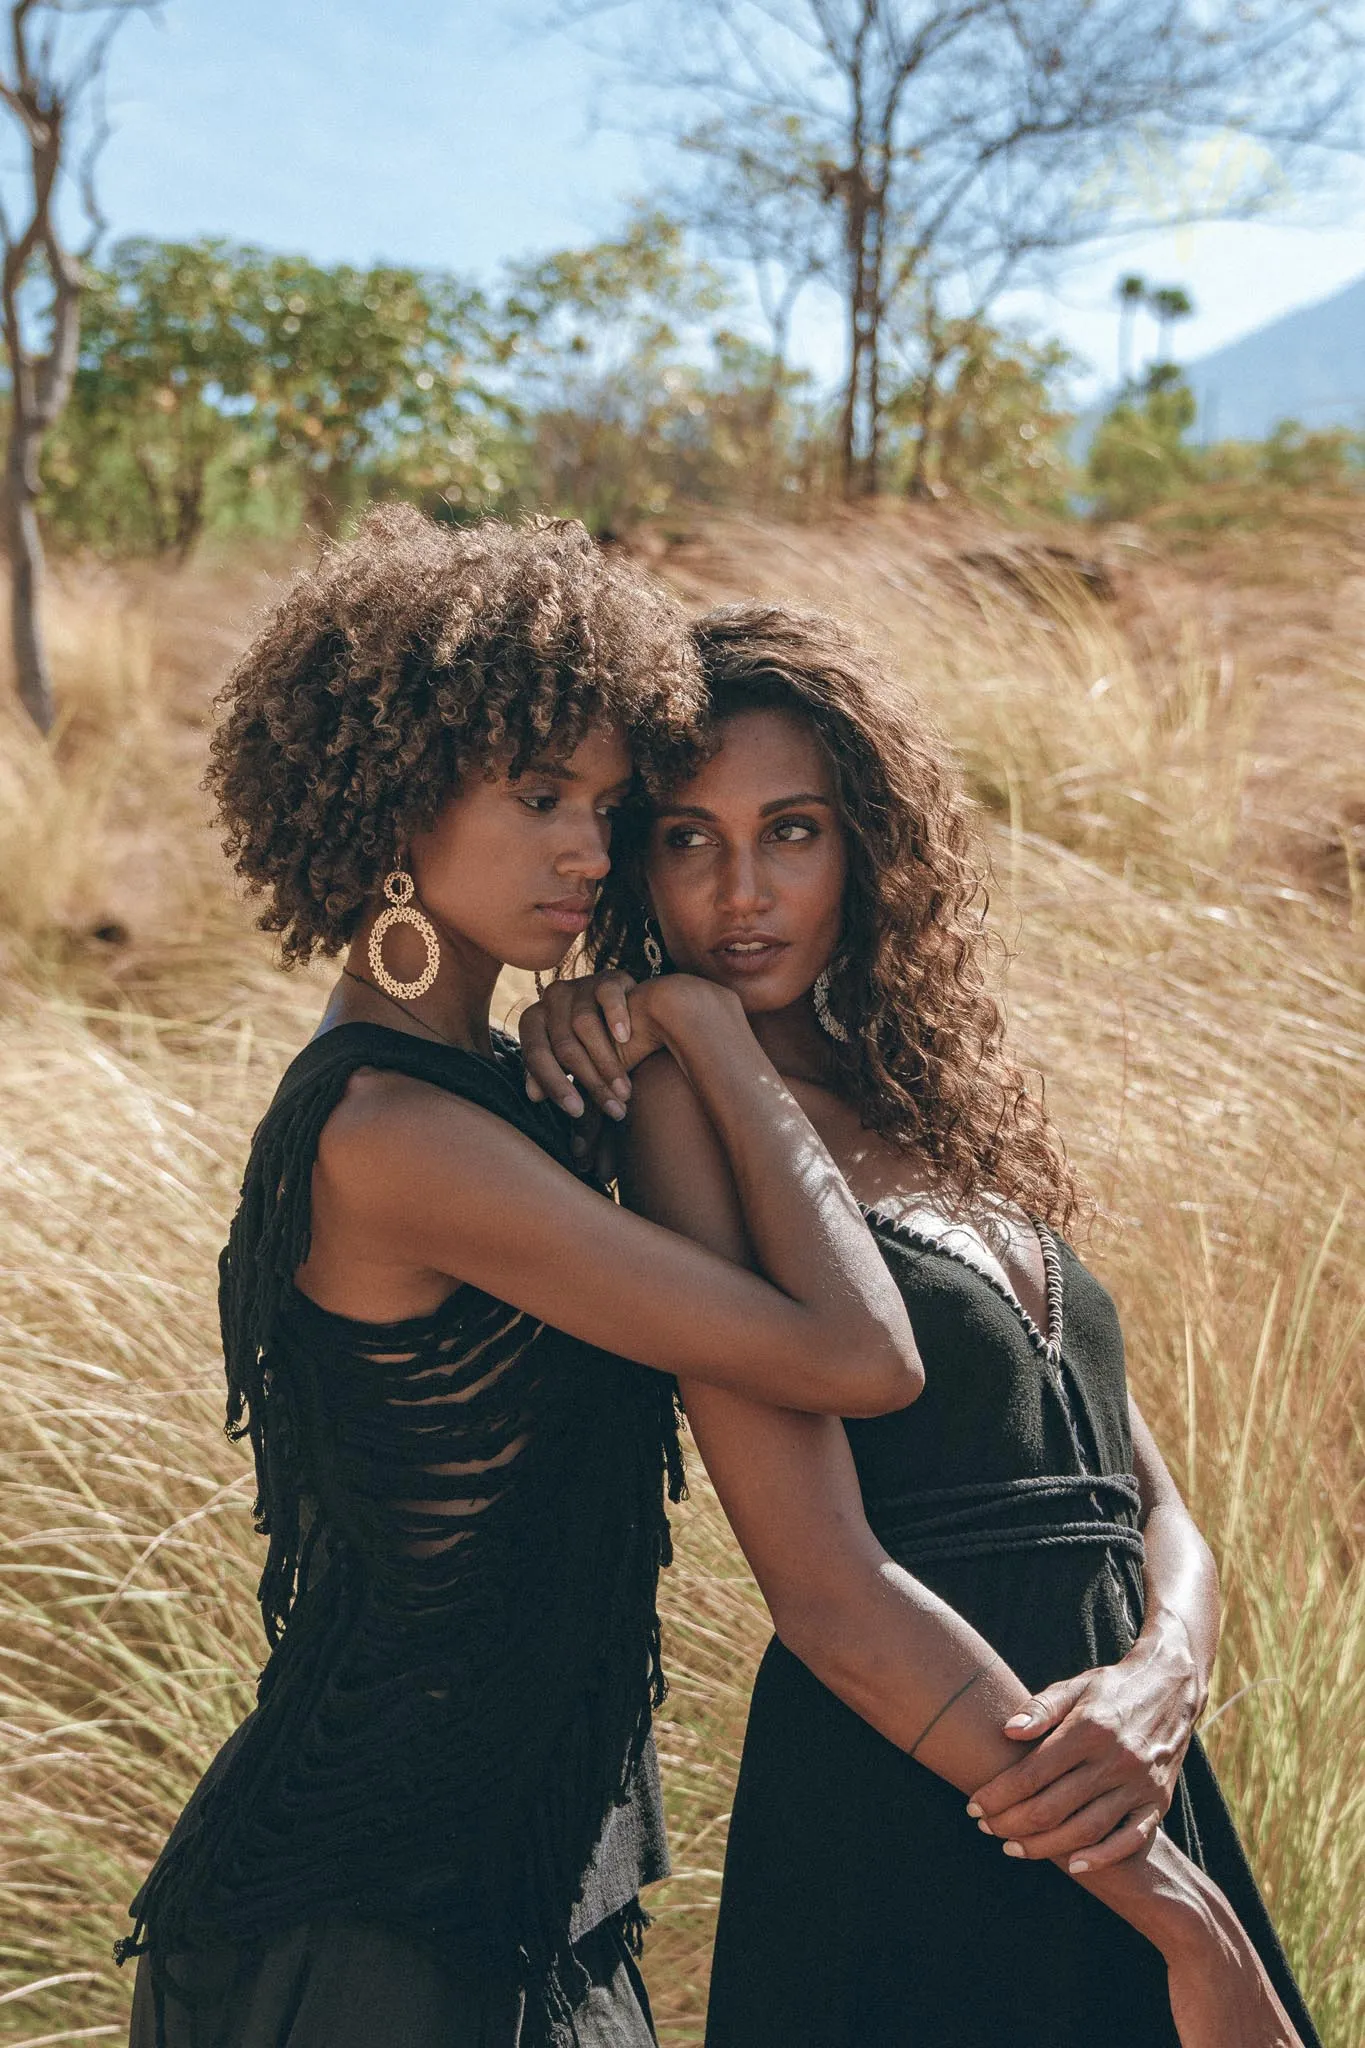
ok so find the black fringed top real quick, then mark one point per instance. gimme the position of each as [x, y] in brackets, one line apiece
[466, 1523]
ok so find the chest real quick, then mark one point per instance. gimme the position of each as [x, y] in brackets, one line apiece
[1000, 1242]
[999, 1402]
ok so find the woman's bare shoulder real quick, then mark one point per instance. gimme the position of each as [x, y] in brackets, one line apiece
[390, 1129]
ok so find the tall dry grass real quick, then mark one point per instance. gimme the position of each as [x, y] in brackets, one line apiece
[1194, 994]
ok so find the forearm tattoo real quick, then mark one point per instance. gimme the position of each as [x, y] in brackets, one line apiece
[952, 1701]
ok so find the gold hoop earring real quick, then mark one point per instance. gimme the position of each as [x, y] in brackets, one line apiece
[399, 888]
[825, 1017]
[654, 952]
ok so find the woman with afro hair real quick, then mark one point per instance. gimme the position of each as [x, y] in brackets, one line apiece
[972, 1810]
[451, 1353]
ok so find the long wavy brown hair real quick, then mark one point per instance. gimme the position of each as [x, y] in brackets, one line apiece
[925, 1063]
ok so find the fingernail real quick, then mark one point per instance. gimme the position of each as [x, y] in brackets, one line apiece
[1014, 1849]
[621, 1086]
[620, 1029]
[532, 1089]
[615, 1110]
[1019, 1721]
[985, 1827]
[1077, 1865]
[973, 1809]
[573, 1102]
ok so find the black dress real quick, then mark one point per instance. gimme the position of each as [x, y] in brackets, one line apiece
[861, 1908]
[432, 1830]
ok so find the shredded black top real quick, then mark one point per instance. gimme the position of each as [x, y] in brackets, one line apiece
[466, 1522]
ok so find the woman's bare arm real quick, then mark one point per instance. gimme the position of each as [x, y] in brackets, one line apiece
[414, 1188]
[1183, 1609]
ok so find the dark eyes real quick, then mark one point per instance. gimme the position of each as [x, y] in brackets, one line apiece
[792, 831]
[548, 800]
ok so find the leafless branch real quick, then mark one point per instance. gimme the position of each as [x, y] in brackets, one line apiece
[974, 136]
[47, 103]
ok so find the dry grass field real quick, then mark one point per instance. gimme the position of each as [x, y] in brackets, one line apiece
[1169, 750]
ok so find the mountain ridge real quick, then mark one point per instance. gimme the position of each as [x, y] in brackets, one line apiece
[1308, 365]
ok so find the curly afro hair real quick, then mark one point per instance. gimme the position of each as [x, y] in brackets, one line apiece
[408, 657]
[925, 1061]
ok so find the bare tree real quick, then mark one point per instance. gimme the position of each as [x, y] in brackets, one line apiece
[51, 85]
[755, 205]
[970, 138]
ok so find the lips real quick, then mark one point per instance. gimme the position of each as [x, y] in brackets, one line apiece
[748, 952]
[568, 914]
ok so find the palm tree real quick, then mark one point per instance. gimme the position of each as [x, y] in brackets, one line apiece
[1170, 302]
[1130, 292]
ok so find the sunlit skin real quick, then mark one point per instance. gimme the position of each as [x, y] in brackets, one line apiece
[508, 874]
[746, 871]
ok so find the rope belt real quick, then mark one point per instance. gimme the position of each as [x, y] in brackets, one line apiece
[951, 1522]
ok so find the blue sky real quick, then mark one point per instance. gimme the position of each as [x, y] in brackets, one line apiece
[448, 132]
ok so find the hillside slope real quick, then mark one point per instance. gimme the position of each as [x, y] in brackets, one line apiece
[1308, 366]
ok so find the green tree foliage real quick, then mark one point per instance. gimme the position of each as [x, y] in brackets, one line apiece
[979, 413]
[358, 371]
[216, 375]
[601, 347]
[163, 344]
[223, 387]
[1140, 455]
[1331, 459]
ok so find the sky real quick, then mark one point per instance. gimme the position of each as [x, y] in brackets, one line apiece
[453, 133]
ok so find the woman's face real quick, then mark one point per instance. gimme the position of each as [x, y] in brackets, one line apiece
[747, 861]
[513, 867]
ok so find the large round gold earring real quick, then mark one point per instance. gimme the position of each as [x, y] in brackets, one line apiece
[400, 889]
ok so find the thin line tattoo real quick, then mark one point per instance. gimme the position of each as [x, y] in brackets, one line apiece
[952, 1701]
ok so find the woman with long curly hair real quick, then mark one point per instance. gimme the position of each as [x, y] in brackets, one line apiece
[1007, 1563]
[433, 1829]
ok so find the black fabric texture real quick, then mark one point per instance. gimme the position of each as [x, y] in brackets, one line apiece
[342, 1984]
[861, 1907]
[465, 1523]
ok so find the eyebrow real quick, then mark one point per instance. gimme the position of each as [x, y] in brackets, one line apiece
[557, 771]
[779, 803]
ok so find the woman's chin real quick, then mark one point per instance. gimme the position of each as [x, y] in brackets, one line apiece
[759, 996]
[536, 946]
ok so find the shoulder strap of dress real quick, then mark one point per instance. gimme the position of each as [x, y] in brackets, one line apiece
[495, 1082]
[269, 1241]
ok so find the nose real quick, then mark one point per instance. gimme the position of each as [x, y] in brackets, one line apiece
[588, 853]
[742, 888]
